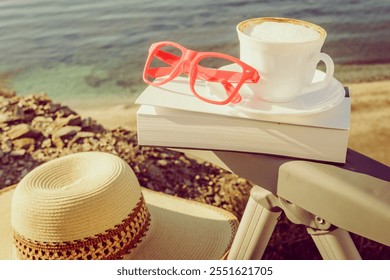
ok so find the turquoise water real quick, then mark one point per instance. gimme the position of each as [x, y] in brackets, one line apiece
[96, 49]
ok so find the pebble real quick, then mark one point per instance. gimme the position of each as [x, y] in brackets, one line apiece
[18, 153]
[22, 130]
[162, 162]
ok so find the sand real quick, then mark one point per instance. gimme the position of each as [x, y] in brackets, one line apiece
[113, 116]
[370, 118]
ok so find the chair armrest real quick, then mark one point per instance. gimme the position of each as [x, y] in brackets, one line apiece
[354, 201]
[354, 196]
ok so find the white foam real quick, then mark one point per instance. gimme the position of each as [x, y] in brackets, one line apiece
[282, 32]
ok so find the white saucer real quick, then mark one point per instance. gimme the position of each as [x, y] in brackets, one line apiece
[310, 103]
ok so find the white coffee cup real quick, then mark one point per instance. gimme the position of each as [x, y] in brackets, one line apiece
[286, 53]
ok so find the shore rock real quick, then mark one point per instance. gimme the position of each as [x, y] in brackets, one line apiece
[21, 130]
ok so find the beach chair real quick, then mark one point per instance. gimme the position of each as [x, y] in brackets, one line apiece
[330, 199]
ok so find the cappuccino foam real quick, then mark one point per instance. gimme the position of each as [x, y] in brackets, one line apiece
[282, 32]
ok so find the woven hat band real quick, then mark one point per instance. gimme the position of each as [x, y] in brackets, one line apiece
[112, 244]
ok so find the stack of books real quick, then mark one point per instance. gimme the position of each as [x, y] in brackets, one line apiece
[315, 126]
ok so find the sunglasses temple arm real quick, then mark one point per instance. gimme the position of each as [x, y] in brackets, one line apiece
[230, 90]
[167, 57]
[226, 78]
[163, 71]
[158, 72]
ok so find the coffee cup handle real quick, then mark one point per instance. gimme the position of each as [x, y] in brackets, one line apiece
[328, 76]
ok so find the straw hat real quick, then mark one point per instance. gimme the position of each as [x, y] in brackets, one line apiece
[90, 206]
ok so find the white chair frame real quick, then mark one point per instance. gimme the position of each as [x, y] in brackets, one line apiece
[331, 200]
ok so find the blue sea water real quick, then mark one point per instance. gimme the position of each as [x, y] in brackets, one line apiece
[94, 49]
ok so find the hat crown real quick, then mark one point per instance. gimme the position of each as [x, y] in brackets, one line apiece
[76, 197]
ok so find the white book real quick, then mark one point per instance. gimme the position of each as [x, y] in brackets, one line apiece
[159, 126]
[171, 116]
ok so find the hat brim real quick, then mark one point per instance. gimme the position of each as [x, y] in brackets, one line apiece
[180, 229]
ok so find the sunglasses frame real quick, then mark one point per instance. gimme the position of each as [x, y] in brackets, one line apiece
[188, 63]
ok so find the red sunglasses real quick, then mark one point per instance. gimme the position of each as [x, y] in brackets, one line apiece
[168, 60]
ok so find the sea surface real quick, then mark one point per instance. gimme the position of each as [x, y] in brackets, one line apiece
[83, 49]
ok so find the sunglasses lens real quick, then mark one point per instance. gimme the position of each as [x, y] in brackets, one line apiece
[162, 63]
[214, 83]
